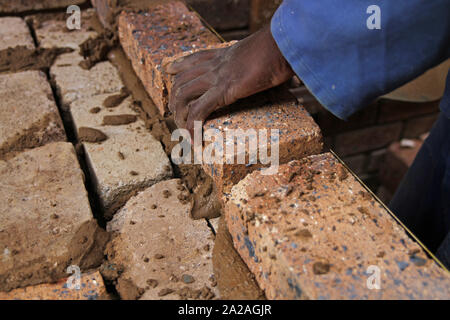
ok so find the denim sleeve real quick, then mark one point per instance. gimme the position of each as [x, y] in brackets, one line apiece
[344, 63]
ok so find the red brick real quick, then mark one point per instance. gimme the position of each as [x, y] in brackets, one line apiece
[147, 37]
[396, 163]
[331, 125]
[417, 126]
[299, 136]
[8, 6]
[392, 110]
[261, 12]
[91, 288]
[223, 14]
[311, 232]
[367, 139]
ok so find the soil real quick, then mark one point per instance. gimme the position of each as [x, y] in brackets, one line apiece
[87, 134]
[115, 100]
[21, 58]
[119, 119]
[233, 278]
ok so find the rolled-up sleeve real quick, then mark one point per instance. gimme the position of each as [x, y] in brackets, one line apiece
[345, 64]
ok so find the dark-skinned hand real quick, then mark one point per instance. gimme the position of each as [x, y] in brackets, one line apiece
[210, 79]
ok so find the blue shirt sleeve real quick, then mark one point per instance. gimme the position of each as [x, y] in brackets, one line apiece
[344, 63]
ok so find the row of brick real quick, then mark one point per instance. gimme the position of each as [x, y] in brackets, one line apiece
[154, 234]
[266, 213]
[146, 47]
[46, 219]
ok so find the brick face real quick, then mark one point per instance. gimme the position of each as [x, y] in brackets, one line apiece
[311, 231]
[367, 139]
[417, 126]
[331, 125]
[174, 30]
[223, 14]
[392, 110]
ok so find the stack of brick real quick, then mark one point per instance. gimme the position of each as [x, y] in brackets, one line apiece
[311, 231]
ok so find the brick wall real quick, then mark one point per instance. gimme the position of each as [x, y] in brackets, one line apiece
[362, 141]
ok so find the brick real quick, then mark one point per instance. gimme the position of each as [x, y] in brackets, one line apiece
[8, 6]
[129, 160]
[108, 10]
[393, 110]
[46, 223]
[223, 14]
[92, 288]
[375, 160]
[417, 126]
[356, 163]
[299, 136]
[51, 30]
[158, 241]
[174, 30]
[366, 139]
[30, 117]
[261, 13]
[311, 231]
[396, 163]
[15, 40]
[331, 125]
[73, 82]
